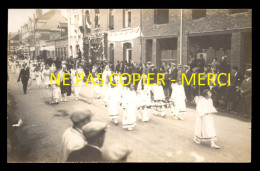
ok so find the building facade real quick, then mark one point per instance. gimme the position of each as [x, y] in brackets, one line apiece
[161, 35]
[38, 30]
[13, 44]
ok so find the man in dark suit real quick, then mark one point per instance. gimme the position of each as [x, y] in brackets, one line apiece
[173, 75]
[24, 75]
[153, 76]
[187, 88]
[117, 68]
[94, 133]
[236, 81]
[246, 93]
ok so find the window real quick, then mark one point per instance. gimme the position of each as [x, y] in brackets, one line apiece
[161, 16]
[97, 20]
[65, 51]
[111, 19]
[88, 23]
[76, 19]
[126, 18]
[234, 11]
[111, 47]
[197, 13]
[127, 53]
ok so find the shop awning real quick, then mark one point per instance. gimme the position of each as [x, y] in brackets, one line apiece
[48, 48]
[125, 35]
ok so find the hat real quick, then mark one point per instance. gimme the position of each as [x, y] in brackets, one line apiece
[80, 116]
[116, 152]
[249, 72]
[93, 128]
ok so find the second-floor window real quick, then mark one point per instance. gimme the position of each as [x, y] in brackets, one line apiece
[76, 19]
[97, 20]
[198, 13]
[111, 19]
[126, 18]
[161, 16]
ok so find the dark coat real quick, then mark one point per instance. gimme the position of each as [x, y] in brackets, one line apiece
[24, 75]
[246, 87]
[86, 154]
[174, 74]
[237, 80]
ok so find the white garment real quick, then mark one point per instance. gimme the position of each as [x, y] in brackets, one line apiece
[38, 76]
[114, 100]
[72, 139]
[204, 125]
[46, 74]
[158, 93]
[130, 104]
[178, 97]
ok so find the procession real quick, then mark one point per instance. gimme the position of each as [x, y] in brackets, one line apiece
[109, 107]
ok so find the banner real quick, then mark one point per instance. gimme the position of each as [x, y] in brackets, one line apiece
[125, 35]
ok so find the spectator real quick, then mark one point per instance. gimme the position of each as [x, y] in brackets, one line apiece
[73, 138]
[94, 133]
[246, 93]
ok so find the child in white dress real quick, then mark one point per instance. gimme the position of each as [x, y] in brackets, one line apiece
[46, 74]
[159, 98]
[129, 105]
[204, 126]
[145, 100]
[178, 97]
[77, 88]
[38, 76]
[114, 102]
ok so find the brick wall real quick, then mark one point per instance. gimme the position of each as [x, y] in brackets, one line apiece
[118, 27]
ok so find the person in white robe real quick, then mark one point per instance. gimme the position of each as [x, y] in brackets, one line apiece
[73, 138]
[38, 77]
[144, 93]
[178, 97]
[106, 77]
[32, 74]
[114, 102]
[46, 75]
[55, 89]
[77, 88]
[204, 125]
[129, 105]
[159, 97]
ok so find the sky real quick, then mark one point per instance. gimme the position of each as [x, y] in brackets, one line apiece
[17, 17]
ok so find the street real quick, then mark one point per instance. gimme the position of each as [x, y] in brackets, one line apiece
[38, 139]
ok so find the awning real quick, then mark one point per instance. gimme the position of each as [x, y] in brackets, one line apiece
[125, 35]
[49, 48]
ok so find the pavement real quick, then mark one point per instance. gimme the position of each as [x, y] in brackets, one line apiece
[38, 139]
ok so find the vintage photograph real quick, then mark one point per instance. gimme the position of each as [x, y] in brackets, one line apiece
[129, 85]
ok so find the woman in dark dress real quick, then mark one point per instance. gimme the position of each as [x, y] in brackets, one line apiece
[65, 86]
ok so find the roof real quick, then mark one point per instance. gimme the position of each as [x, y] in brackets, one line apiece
[49, 20]
[14, 37]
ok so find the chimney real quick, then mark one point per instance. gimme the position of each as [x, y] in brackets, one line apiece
[38, 13]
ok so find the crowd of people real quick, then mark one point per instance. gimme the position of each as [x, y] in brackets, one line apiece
[137, 100]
